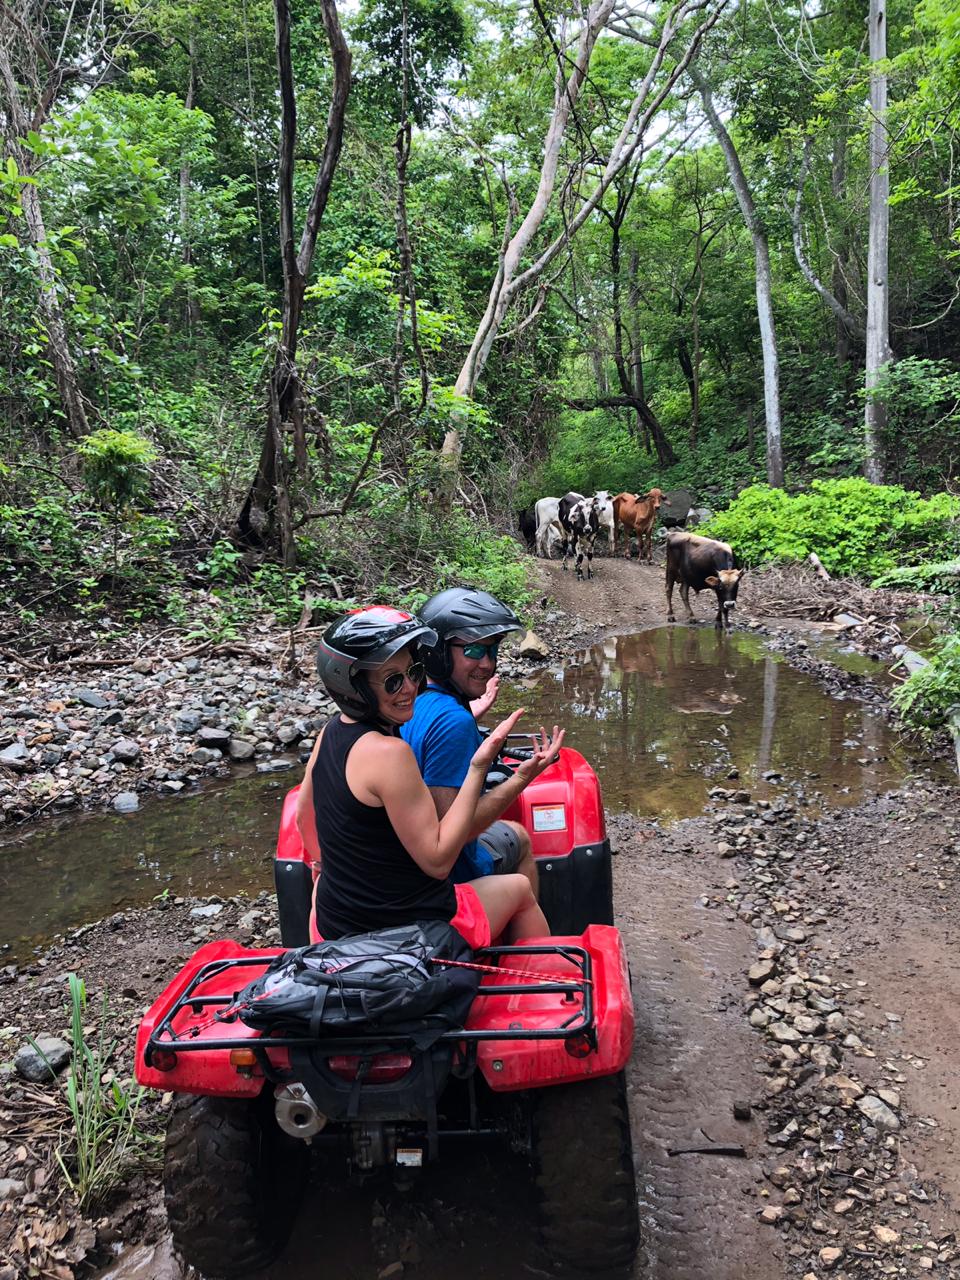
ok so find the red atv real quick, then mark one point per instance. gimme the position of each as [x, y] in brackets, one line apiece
[539, 1062]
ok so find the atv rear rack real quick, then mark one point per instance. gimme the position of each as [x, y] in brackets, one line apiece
[579, 1024]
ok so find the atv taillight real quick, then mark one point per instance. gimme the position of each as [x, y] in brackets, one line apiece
[579, 1045]
[163, 1059]
[383, 1068]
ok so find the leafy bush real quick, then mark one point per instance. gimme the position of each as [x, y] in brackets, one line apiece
[925, 700]
[856, 528]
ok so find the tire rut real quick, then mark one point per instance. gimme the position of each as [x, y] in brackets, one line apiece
[692, 1060]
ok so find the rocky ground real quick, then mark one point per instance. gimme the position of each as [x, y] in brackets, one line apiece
[796, 981]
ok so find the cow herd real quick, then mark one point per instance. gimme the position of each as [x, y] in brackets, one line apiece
[574, 523]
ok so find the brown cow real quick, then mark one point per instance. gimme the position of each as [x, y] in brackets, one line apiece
[638, 514]
[698, 562]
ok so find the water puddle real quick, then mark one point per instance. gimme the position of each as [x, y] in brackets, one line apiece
[667, 714]
[663, 716]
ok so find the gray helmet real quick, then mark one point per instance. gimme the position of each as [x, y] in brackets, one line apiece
[362, 639]
[463, 613]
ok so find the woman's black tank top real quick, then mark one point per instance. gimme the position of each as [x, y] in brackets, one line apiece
[367, 878]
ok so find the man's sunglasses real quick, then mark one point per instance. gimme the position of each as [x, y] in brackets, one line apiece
[476, 650]
[394, 681]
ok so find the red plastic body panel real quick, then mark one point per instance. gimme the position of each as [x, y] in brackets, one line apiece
[509, 1065]
[199, 1071]
[570, 784]
[524, 1064]
[573, 784]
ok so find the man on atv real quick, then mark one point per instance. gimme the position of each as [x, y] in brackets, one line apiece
[443, 733]
[386, 854]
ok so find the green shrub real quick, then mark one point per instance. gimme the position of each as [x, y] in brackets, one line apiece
[856, 528]
[925, 700]
[106, 1140]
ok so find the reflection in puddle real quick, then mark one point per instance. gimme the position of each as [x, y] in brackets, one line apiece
[666, 714]
[662, 716]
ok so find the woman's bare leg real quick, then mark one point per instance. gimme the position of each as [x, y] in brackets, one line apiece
[511, 907]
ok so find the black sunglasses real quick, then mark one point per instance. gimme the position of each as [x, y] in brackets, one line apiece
[476, 650]
[394, 681]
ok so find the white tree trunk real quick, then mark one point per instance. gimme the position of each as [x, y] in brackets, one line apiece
[509, 281]
[878, 352]
[761, 253]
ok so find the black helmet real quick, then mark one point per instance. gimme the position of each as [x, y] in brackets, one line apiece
[362, 639]
[462, 613]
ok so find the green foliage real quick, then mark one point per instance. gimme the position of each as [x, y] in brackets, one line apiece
[116, 466]
[927, 698]
[856, 528]
[106, 1141]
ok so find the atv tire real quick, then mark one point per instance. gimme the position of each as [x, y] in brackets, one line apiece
[583, 1159]
[232, 1182]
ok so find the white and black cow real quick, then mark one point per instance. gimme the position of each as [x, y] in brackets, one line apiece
[581, 524]
[699, 563]
[548, 521]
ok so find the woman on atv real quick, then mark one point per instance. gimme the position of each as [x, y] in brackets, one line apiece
[387, 856]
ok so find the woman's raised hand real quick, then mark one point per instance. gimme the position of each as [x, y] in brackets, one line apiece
[545, 751]
[490, 747]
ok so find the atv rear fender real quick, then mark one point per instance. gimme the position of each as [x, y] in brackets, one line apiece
[566, 1014]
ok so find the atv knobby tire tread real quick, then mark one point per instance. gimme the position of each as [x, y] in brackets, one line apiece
[589, 1220]
[232, 1182]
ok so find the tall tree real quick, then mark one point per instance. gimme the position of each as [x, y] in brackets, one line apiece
[764, 280]
[510, 278]
[269, 493]
[48, 48]
[878, 352]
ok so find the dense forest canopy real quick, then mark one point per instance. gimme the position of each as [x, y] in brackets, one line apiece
[273, 278]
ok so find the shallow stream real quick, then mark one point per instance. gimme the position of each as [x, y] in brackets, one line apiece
[663, 715]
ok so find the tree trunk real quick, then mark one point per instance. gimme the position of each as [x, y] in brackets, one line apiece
[191, 314]
[509, 280]
[761, 252]
[878, 353]
[58, 346]
[268, 499]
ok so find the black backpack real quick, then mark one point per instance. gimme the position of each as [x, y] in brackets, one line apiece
[386, 981]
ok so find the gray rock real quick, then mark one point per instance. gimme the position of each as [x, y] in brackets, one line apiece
[11, 1188]
[274, 766]
[171, 786]
[208, 911]
[878, 1113]
[531, 646]
[241, 748]
[206, 755]
[112, 717]
[187, 721]
[15, 756]
[191, 665]
[125, 750]
[217, 739]
[126, 802]
[90, 698]
[53, 1056]
[288, 734]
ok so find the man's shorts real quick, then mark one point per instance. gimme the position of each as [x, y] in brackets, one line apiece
[501, 844]
[471, 920]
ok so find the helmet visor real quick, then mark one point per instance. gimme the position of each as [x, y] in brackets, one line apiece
[418, 635]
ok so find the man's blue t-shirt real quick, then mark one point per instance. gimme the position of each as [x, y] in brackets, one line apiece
[443, 736]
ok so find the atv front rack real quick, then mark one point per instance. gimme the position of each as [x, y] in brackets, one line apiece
[574, 1020]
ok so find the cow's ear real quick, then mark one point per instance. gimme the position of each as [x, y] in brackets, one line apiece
[712, 581]
[740, 573]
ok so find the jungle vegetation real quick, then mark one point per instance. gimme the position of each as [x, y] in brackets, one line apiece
[297, 299]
